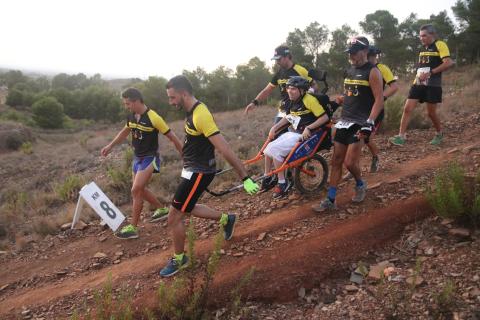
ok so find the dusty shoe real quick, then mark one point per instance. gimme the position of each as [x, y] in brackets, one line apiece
[229, 227]
[281, 190]
[268, 183]
[324, 206]
[127, 232]
[437, 140]
[173, 266]
[360, 193]
[397, 140]
[159, 214]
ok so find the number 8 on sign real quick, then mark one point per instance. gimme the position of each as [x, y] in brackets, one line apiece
[109, 211]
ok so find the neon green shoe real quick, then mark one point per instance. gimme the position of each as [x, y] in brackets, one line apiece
[397, 140]
[159, 214]
[127, 232]
[437, 140]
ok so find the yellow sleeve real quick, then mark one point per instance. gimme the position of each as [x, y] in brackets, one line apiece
[302, 72]
[442, 49]
[312, 104]
[158, 122]
[386, 73]
[203, 121]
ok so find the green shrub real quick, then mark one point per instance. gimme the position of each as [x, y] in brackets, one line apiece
[393, 113]
[68, 190]
[17, 116]
[455, 196]
[26, 147]
[13, 142]
[14, 98]
[48, 113]
[14, 199]
[445, 301]
[109, 307]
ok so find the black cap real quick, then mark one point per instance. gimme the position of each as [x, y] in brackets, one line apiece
[281, 51]
[373, 51]
[356, 44]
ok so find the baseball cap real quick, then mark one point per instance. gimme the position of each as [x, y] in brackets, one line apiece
[356, 44]
[373, 51]
[281, 51]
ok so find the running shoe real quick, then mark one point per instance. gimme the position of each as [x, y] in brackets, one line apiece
[127, 232]
[437, 140]
[375, 163]
[173, 266]
[268, 183]
[360, 192]
[229, 227]
[281, 190]
[159, 214]
[397, 140]
[325, 205]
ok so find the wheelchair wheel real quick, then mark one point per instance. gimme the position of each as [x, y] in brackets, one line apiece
[311, 175]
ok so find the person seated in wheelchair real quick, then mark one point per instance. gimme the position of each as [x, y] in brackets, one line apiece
[304, 115]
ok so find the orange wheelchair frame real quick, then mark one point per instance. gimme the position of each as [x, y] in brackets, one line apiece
[303, 159]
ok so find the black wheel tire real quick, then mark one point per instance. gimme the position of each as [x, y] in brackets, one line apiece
[306, 184]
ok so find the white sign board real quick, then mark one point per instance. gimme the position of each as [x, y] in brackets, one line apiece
[100, 203]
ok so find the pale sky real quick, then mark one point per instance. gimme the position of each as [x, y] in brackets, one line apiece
[144, 38]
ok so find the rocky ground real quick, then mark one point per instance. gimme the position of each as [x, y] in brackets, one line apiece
[308, 266]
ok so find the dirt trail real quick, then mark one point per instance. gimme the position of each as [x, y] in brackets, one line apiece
[317, 255]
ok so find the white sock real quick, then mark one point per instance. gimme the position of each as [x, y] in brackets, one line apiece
[281, 181]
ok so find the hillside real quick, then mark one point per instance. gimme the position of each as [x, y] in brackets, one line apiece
[303, 261]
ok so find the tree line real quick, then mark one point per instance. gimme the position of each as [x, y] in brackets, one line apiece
[315, 47]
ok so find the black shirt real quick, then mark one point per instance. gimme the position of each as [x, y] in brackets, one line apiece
[145, 132]
[359, 99]
[198, 151]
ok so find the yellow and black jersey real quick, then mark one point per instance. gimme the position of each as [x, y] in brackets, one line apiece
[198, 151]
[359, 99]
[281, 77]
[145, 132]
[431, 57]
[387, 74]
[303, 112]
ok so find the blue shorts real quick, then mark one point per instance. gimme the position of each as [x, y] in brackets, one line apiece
[141, 163]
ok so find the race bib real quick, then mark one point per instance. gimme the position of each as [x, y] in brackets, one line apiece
[186, 174]
[294, 120]
[343, 124]
[419, 72]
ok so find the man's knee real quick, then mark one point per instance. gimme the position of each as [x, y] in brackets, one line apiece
[137, 190]
[409, 106]
[350, 163]
[174, 216]
[338, 159]
[431, 110]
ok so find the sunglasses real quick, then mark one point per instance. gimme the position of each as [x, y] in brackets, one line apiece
[355, 40]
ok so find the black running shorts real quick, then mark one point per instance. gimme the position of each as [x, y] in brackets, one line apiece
[190, 190]
[426, 94]
[347, 136]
